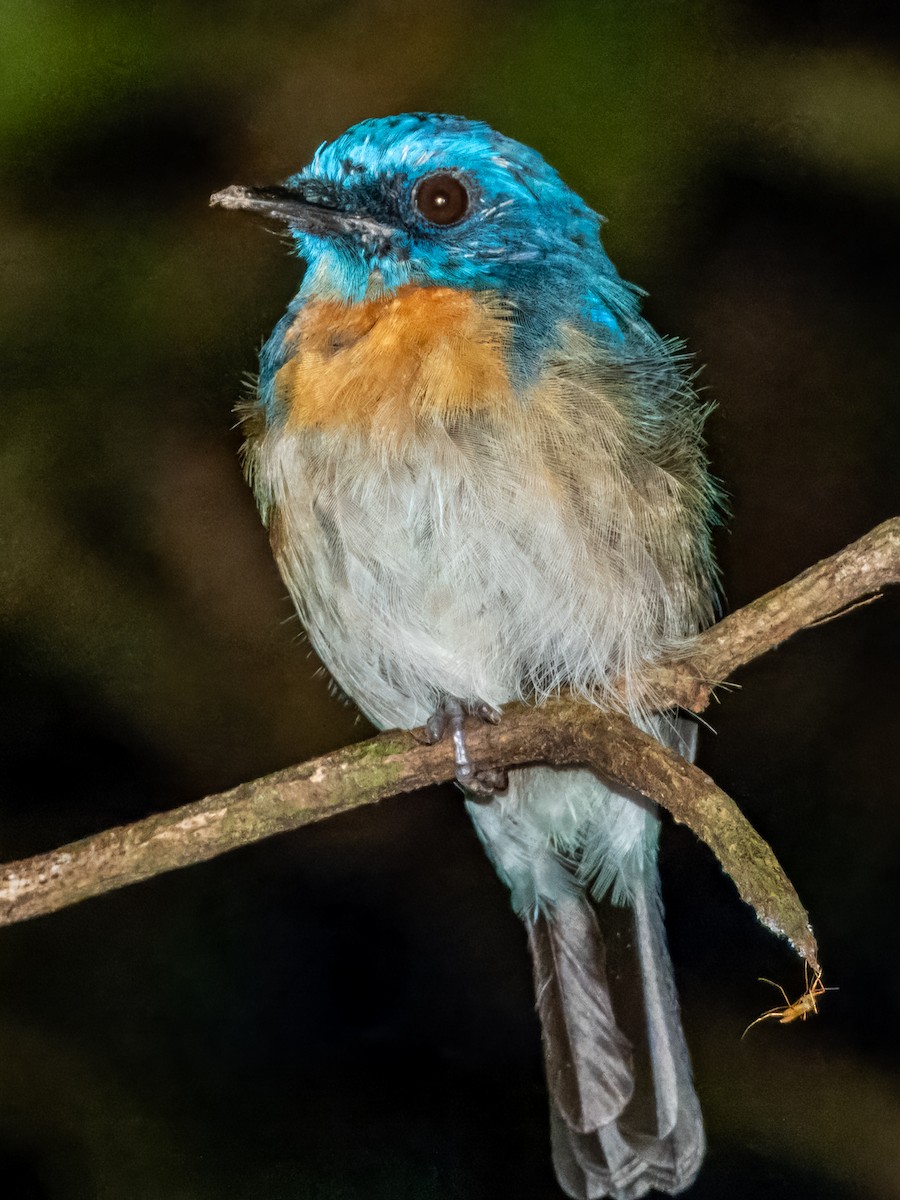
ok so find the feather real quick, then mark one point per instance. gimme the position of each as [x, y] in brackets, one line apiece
[589, 1064]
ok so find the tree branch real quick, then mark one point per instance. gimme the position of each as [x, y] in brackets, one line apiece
[833, 585]
[564, 732]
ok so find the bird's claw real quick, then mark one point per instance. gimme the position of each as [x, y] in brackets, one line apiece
[487, 713]
[449, 718]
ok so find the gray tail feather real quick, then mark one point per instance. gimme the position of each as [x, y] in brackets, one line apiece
[624, 1114]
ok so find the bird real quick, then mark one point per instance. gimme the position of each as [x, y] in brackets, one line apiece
[484, 479]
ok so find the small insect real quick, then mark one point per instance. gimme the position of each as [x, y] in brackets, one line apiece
[801, 1008]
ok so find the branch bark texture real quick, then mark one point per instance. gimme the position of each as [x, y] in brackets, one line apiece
[859, 571]
[563, 732]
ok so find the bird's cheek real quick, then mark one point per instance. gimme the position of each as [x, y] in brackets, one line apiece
[441, 266]
[392, 271]
[334, 271]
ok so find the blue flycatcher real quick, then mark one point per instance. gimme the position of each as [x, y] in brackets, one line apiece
[483, 476]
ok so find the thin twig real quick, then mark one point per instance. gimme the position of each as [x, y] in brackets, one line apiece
[864, 568]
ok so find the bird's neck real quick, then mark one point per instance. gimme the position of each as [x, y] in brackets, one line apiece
[394, 361]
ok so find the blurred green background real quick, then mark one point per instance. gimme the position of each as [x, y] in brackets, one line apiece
[346, 1012]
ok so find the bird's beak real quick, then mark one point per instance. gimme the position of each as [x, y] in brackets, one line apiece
[302, 209]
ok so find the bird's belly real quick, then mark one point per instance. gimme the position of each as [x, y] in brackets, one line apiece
[452, 568]
[402, 591]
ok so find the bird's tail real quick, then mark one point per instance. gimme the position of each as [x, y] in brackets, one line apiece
[624, 1114]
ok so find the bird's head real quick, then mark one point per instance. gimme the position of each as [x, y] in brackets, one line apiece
[439, 200]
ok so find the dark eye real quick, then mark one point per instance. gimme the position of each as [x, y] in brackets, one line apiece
[442, 199]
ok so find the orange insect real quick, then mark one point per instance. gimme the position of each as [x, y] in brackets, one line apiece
[801, 1008]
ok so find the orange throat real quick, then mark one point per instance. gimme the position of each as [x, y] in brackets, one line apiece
[420, 356]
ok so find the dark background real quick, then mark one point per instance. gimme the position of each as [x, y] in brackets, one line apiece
[346, 1012]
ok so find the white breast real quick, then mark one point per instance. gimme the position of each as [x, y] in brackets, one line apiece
[479, 562]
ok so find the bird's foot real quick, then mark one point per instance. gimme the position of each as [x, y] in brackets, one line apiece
[450, 718]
